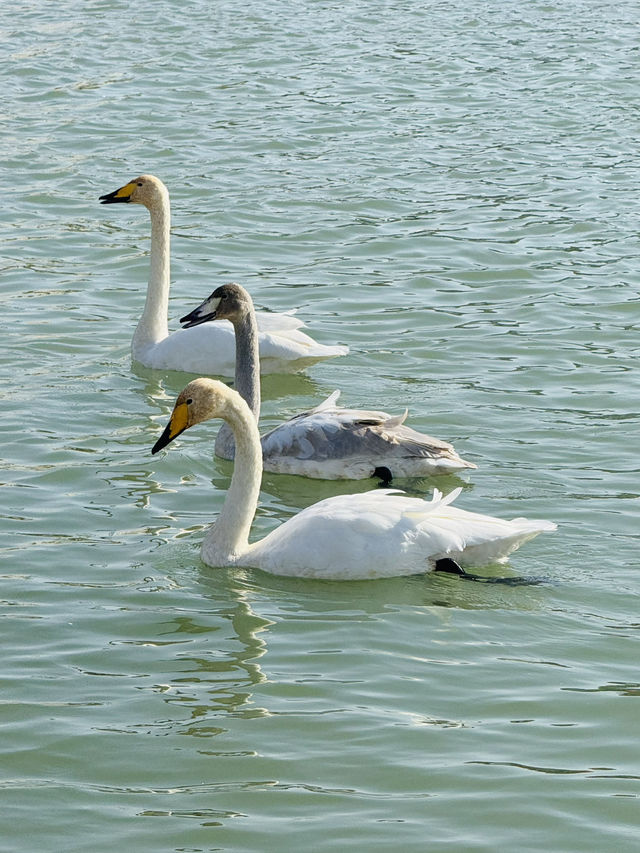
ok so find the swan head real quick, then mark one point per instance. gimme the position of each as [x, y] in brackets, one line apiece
[228, 302]
[147, 190]
[199, 401]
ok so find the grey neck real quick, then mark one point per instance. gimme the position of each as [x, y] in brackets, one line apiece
[247, 378]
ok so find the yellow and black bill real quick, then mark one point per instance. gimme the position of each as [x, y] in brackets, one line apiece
[120, 196]
[178, 423]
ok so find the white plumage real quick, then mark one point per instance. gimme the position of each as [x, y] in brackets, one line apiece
[284, 348]
[383, 533]
[349, 537]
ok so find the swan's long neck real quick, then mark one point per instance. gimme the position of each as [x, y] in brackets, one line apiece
[153, 325]
[247, 378]
[228, 537]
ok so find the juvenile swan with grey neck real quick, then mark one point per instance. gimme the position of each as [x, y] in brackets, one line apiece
[328, 442]
[376, 534]
[211, 349]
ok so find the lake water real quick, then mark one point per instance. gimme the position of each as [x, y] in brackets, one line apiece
[452, 190]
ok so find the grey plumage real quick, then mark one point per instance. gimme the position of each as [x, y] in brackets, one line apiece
[328, 442]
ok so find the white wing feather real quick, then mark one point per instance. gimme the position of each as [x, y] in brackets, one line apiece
[211, 349]
[385, 534]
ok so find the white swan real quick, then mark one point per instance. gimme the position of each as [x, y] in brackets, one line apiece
[211, 349]
[372, 535]
[328, 442]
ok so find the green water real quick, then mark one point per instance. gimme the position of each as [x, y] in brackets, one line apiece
[451, 189]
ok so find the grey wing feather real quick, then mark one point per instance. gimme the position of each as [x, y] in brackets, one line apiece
[331, 432]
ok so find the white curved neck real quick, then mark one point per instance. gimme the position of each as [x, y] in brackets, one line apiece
[228, 537]
[153, 325]
[247, 378]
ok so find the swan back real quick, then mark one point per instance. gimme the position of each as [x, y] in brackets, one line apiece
[333, 442]
[383, 533]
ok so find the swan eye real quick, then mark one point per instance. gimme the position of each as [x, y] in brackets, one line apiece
[139, 183]
[189, 401]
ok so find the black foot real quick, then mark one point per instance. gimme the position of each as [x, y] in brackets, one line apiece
[384, 474]
[446, 564]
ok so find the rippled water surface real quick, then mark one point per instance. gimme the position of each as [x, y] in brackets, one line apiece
[451, 189]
